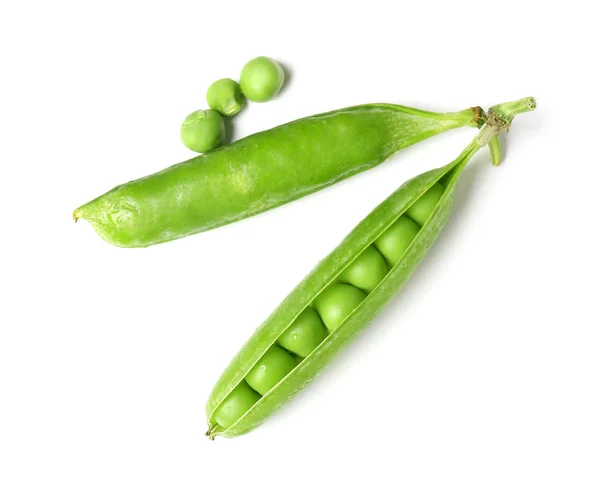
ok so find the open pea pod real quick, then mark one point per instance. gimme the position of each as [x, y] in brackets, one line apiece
[262, 171]
[254, 408]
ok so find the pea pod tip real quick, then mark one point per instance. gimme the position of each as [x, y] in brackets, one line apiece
[210, 433]
[77, 214]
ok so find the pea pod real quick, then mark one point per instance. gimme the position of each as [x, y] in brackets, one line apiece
[261, 171]
[416, 193]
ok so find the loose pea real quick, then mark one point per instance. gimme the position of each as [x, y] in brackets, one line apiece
[336, 302]
[237, 403]
[203, 131]
[225, 96]
[261, 79]
[305, 333]
[395, 240]
[422, 208]
[366, 271]
[270, 369]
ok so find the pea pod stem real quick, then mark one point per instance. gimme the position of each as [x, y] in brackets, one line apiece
[507, 111]
[494, 143]
[495, 151]
[500, 117]
[212, 431]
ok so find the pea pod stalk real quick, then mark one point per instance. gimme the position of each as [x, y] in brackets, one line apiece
[328, 271]
[261, 171]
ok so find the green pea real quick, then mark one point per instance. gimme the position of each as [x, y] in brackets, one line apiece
[236, 404]
[304, 334]
[225, 96]
[395, 240]
[261, 79]
[270, 369]
[203, 131]
[336, 302]
[366, 271]
[422, 208]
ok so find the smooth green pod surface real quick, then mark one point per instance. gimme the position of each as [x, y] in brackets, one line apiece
[260, 172]
[369, 230]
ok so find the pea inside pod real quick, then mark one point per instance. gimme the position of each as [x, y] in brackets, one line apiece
[422, 208]
[395, 240]
[366, 271]
[237, 403]
[270, 369]
[336, 302]
[304, 335]
[345, 309]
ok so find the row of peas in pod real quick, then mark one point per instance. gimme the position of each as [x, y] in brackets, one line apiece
[260, 80]
[329, 309]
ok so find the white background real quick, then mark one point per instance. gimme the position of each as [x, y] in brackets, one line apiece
[485, 369]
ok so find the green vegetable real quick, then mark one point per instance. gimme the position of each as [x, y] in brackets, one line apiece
[336, 302]
[367, 270]
[304, 334]
[203, 131]
[260, 172]
[321, 290]
[421, 209]
[238, 402]
[225, 96]
[395, 240]
[261, 79]
[270, 369]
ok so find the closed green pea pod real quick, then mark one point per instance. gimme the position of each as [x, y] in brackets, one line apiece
[328, 270]
[261, 171]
